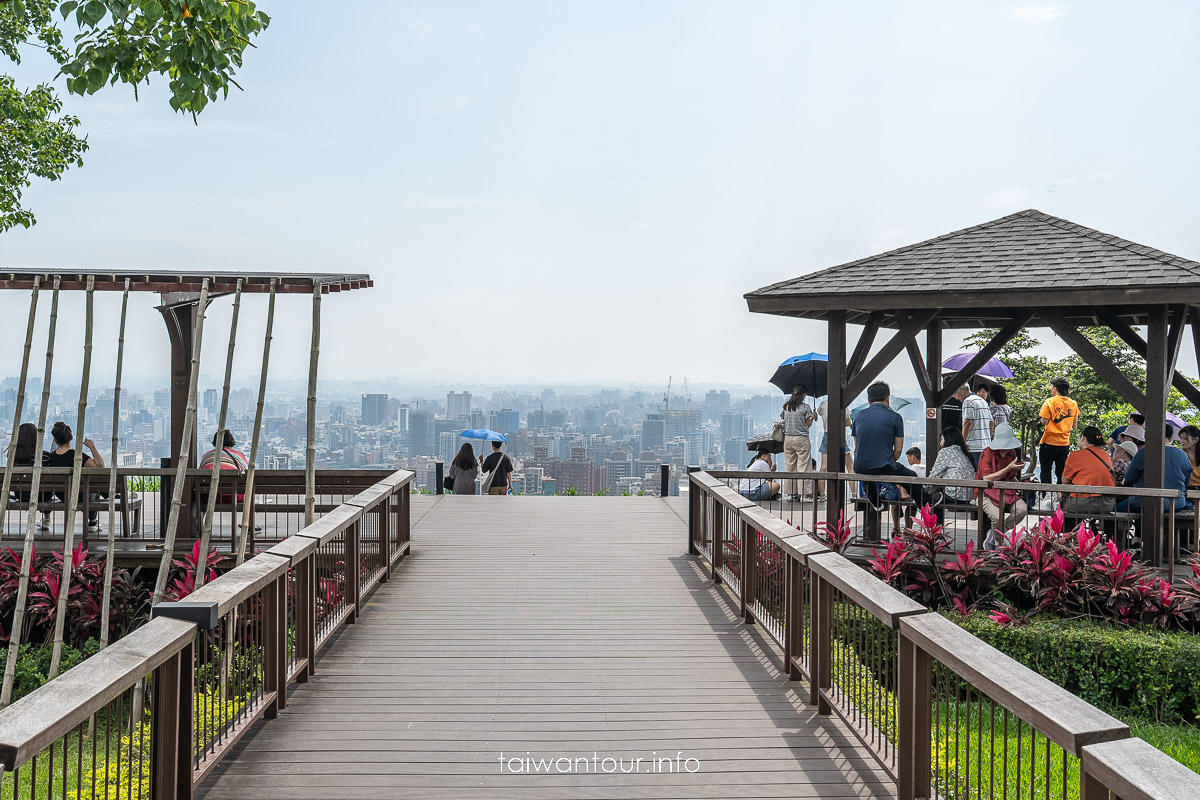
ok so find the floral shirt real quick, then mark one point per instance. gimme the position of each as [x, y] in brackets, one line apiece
[954, 464]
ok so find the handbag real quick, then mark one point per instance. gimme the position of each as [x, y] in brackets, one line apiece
[777, 431]
[487, 480]
[448, 482]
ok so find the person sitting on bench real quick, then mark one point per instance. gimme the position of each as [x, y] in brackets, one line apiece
[64, 456]
[1089, 465]
[878, 442]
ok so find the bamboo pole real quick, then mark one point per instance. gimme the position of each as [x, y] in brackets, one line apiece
[19, 410]
[109, 555]
[60, 618]
[310, 454]
[248, 503]
[214, 483]
[14, 641]
[189, 422]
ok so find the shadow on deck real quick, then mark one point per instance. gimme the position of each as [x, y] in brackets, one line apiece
[548, 628]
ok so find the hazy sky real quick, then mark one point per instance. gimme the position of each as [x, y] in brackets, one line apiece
[583, 191]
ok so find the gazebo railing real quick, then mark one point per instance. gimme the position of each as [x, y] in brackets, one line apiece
[944, 713]
[967, 521]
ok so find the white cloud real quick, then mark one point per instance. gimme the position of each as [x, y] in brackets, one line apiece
[1037, 12]
[1012, 198]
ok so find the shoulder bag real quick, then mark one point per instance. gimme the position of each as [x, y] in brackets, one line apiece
[777, 432]
[491, 476]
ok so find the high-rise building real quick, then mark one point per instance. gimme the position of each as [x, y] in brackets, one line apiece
[506, 421]
[735, 425]
[448, 444]
[618, 465]
[654, 432]
[374, 409]
[421, 423]
[458, 404]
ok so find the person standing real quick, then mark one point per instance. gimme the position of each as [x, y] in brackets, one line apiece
[1001, 410]
[797, 446]
[823, 413]
[977, 421]
[878, 442]
[1057, 416]
[500, 468]
[952, 409]
[463, 470]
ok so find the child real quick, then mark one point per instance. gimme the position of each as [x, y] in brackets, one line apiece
[1120, 459]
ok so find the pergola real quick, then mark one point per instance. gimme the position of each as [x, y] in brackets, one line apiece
[1027, 269]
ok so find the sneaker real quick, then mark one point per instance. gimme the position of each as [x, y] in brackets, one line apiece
[43, 524]
[990, 542]
[94, 527]
[820, 498]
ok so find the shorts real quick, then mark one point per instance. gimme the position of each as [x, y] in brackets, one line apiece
[498, 489]
[761, 492]
[824, 449]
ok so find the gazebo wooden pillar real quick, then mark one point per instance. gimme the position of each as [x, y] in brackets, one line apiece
[1028, 269]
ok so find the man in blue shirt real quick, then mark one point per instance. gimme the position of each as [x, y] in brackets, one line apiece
[878, 442]
[1177, 471]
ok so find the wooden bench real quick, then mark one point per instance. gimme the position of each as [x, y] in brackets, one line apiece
[54, 487]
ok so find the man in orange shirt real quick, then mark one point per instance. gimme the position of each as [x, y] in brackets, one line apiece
[1057, 416]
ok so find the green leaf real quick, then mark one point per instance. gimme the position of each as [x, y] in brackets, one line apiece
[66, 8]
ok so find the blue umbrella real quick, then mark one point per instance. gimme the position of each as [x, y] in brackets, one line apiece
[810, 369]
[487, 434]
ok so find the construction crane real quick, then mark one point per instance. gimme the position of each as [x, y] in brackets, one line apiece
[667, 396]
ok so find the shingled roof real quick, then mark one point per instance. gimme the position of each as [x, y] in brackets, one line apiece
[981, 274]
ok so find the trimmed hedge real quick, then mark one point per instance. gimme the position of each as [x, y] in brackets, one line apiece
[1143, 671]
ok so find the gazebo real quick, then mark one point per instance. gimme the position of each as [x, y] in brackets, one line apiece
[1027, 269]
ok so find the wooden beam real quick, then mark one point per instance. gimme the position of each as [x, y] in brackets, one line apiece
[933, 371]
[989, 351]
[1097, 360]
[835, 414]
[1178, 318]
[865, 340]
[857, 384]
[1155, 409]
[1180, 381]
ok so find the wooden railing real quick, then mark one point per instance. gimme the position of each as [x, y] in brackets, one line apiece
[967, 520]
[945, 714]
[153, 714]
[144, 494]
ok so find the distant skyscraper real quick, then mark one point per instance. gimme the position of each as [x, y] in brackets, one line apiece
[654, 432]
[421, 423]
[458, 404]
[506, 421]
[374, 409]
[210, 400]
[448, 444]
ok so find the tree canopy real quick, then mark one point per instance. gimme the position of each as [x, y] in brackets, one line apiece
[1099, 403]
[197, 45]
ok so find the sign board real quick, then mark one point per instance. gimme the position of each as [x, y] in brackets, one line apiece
[931, 413]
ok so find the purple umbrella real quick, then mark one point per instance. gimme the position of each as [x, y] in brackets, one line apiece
[994, 368]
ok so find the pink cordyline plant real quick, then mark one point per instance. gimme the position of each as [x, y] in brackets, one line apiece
[836, 537]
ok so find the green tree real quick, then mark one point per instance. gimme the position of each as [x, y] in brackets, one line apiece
[196, 44]
[1099, 403]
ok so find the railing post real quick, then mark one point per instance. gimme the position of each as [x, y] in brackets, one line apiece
[405, 531]
[306, 628]
[693, 499]
[1091, 788]
[749, 577]
[171, 727]
[718, 542]
[275, 634]
[354, 569]
[793, 621]
[385, 537]
[438, 473]
[914, 722]
[664, 485]
[820, 642]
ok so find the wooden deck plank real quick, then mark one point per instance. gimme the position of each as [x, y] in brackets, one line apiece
[565, 627]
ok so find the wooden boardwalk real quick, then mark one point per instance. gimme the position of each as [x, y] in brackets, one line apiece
[546, 628]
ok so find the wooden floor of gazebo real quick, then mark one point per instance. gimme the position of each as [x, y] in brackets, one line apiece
[543, 628]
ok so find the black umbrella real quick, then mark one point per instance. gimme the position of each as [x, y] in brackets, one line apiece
[810, 370]
[765, 442]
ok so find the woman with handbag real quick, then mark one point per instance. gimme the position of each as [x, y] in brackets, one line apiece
[797, 416]
[463, 470]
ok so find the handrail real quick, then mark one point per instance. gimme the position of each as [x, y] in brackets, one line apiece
[1133, 769]
[1062, 717]
[279, 645]
[43, 716]
[884, 602]
[904, 694]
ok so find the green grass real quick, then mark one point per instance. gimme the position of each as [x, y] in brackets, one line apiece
[1181, 742]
